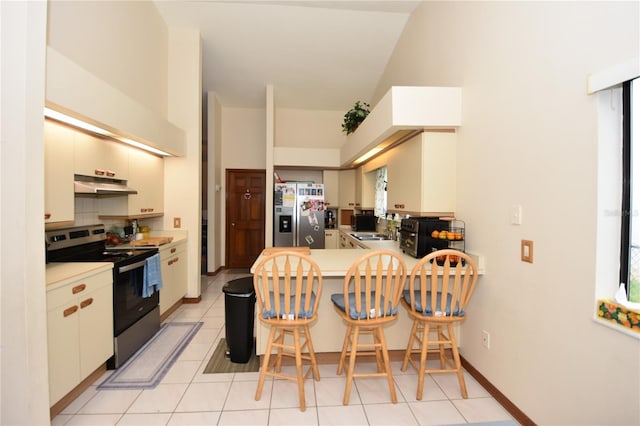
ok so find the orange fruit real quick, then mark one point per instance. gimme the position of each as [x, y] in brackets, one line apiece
[434, 234]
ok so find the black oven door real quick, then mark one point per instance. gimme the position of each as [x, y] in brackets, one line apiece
[128, 304]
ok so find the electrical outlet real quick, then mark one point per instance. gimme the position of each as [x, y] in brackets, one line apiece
[486, 339]
[526, 251]
[177, 222]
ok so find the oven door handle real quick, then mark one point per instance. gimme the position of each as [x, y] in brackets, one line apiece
[131, 267]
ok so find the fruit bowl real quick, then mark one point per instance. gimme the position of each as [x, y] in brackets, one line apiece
[453, 260]
[453, 234]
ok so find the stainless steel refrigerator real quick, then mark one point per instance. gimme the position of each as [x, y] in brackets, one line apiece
[298, 219]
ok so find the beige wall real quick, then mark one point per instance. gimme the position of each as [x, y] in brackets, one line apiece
[529, 137]
[24, 393]
[122, 42]
[243, 138]
[309, 128]
[183, 175]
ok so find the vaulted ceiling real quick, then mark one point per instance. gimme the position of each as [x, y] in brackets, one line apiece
[316, 54]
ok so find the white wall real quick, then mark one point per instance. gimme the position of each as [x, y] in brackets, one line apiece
[529, 136]
[24, 393]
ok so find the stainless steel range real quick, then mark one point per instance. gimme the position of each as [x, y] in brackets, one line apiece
[135, 318]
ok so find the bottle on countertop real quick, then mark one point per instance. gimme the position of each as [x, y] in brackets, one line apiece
[134, 225]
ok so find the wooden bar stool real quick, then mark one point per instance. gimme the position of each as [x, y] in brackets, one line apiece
[435, 303]
[288, 286]
[371, 294]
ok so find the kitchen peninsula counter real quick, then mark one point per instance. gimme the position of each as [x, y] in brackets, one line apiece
[328, 331]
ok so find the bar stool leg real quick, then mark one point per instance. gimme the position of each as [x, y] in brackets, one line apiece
[352, 363]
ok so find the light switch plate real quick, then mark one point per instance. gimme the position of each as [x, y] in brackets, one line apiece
[516, 214]
[177, 222]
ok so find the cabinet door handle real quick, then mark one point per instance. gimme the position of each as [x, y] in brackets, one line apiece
[77, 289]
[99, 172]
[47, 215]
[110, 173]
[173, 250]
[86, 303]
[70, 311]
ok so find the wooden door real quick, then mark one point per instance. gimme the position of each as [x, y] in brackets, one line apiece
[245, 216]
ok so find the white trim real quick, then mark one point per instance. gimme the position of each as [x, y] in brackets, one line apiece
[613, 75]
[616, 327]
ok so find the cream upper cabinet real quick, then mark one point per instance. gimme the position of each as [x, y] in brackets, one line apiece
[100, 157]
[58, 172]
[421, 174]
[146, 175]
[347, 196]
[330, 179]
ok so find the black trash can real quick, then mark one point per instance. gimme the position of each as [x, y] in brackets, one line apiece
[239, 307]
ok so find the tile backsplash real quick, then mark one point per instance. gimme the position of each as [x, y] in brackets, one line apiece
[87, 212]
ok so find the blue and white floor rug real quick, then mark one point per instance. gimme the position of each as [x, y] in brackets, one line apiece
[148, 366]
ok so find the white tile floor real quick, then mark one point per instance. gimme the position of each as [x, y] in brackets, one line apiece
[188, 397]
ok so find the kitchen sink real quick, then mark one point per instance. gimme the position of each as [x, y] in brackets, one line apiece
[370, 236]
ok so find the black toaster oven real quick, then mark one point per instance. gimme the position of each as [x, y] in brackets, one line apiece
[363, 222]
[415, 235]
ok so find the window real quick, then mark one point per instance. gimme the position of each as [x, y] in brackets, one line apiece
[630, 239]
[381, 192]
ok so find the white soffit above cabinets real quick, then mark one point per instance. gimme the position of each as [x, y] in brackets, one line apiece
[400, 112]
[73, 91]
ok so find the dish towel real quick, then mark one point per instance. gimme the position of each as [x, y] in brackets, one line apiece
[152, 280]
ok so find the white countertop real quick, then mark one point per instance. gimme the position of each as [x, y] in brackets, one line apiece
[178, 237]
[60, 273]
[336, 262]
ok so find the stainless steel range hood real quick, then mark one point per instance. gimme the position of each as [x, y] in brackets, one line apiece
[90, 185]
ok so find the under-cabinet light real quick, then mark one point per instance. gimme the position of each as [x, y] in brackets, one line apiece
[74, 121]
[64, 118]
[367, 155]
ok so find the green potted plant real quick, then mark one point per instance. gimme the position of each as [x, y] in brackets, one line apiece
[355, 116]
